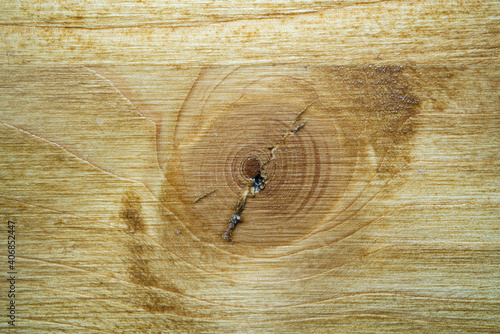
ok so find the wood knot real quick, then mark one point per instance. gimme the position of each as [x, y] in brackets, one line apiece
[286, 155]
[251, 167]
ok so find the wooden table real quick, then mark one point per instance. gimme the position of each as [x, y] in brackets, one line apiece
[250, 166]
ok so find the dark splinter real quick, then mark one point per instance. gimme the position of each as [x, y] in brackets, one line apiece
[258, 183]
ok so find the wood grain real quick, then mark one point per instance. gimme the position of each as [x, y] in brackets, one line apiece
[442, 32]
[129, 131]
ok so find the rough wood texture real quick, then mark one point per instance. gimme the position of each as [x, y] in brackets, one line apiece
[362, 135]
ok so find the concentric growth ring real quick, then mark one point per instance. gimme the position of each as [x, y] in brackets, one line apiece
[287, 159]
[276, 128]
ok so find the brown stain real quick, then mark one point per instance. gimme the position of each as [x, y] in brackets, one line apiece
[140, 272]
[384, 98]
[152, 293]
[131, 213]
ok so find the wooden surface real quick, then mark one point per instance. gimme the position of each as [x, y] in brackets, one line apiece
[131, 130]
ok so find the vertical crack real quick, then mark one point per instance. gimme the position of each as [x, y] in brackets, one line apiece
[258, 182]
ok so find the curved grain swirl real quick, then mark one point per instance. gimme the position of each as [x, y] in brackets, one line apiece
[309, 149]
[324, 139]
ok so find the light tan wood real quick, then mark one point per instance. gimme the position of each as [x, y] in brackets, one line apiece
[130, 131]
[352, 32]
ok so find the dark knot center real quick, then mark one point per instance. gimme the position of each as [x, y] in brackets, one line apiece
[251, 167]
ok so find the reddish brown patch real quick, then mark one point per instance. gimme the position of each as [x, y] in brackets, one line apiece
[131, 213]
[251, 167]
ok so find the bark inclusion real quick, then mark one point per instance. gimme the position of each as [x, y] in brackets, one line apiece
[253, 169]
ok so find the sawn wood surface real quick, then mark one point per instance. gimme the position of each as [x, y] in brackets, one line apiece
[353, 145]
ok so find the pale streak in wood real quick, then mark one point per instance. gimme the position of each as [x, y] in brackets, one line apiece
[433, 259]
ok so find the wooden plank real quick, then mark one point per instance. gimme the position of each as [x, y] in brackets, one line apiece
[113, 14]
[424, 32]
[128, 138]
